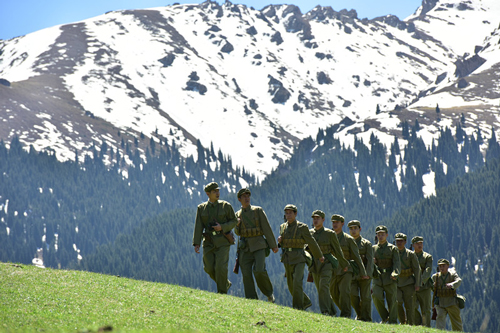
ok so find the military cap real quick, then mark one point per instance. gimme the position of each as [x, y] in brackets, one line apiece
[400, 236]
[291, 207]
[337, 217]
[417, 239]
[380, 228]
[354, 223]
[212, 186]
[443, 262]
[243, 191]
[319, 213]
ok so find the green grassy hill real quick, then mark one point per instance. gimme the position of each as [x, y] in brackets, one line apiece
[34, 299]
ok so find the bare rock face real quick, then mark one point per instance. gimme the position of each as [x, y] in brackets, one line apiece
[468, 65]
[280, 94]
[4, 82]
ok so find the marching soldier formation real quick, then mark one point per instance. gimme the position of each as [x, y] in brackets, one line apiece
[341, 265]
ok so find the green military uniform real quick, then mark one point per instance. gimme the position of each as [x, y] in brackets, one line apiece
[408, 279]
[387, 263]
[424, 295]
[215, 244]
[256, 237]
[294, 237]
[322, 272]
[340, 286]
[361, 288]
[447, 302]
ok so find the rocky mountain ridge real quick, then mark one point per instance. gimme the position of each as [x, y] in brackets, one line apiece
[250, 83]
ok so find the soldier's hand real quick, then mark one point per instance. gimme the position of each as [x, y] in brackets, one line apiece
[322, 259]
[279, 239]
[449, 286]
[197, 248]
[345, 269]
[365, 277]
[217, 227]
[417, 288]
[275, 250]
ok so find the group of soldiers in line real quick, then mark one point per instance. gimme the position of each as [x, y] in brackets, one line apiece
[342, 266]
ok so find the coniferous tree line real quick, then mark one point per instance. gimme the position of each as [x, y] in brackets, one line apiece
[109, 210]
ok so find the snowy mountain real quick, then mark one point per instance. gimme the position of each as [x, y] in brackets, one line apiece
[250, 83]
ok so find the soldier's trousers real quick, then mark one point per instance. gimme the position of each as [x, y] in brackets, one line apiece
[294, 281]
[215, 261]
[322, 283]
[361, 299]
[406, 295]
[340, 289]
[254, 264]
[455, 319]
[390, 290]
[424, 300]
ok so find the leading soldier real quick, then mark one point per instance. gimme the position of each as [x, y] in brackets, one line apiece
[294, 235]
[322, 272]
[214, 220]
[340, 286]
[256, 240]
[386, 273]
[361, 299]
[423, 295]
[408, 282]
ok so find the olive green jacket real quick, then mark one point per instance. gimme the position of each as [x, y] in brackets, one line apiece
[257, 216]
[351, 252]
[389, 253]
[223, 213]
[327, 240]
[366, 254]
[300, 231]
[425, 262]
[453, 278]
[409, 263]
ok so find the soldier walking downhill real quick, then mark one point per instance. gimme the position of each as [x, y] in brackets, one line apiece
[322, 272]
[446, 283]
[386, 273]
[361, 299]
[256, 240]
[215, 217]
[294, 235]
[408, 282]
[424, 294]
[340, 286]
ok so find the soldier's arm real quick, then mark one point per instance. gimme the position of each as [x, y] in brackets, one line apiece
[396, 262]
[415, 266]
[457, 281]
[266, 228]
[337, 251]
[238, 223]
[426, 274]
[231, 218]
[313, 245]
[353, 247]
[198, 228]
[369, 259]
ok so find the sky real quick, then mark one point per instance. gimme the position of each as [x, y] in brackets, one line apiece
[20, 17]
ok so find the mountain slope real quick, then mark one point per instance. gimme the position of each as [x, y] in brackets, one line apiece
[251, 83]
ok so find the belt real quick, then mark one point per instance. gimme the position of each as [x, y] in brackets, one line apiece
[214, 233]
[384, 270]
[292, 249]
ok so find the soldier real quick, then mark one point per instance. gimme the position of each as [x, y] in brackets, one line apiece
[340, 286]
[256, 238]
[322, 272]
[294, 235]
[446, 283]
[423, 295]
[385, 275]
[408, 282]
[361, 299]
[215, 217]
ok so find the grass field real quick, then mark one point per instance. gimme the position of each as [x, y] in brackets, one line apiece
[46, 300]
